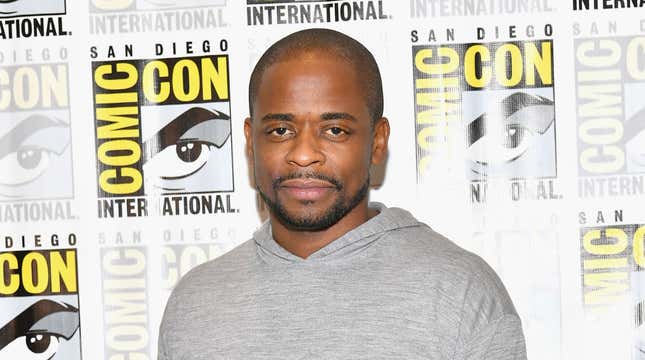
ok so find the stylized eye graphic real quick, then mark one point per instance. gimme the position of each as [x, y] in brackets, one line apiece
[505, 134]
[33, 346]
[27, 149]
[183, 147]
[37, 332]
[186, 156]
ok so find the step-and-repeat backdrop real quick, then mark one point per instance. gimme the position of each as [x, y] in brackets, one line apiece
[517, 131]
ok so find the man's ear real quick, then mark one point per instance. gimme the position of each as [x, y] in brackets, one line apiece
[248, 134]
[380, 140]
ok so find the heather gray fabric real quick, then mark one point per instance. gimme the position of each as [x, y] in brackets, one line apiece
[389, 289]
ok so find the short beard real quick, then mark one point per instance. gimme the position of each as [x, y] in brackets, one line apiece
[332, 215]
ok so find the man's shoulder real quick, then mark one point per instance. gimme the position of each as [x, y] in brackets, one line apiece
[439, 259]
[433, 249]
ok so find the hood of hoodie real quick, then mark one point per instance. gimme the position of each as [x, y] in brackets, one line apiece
[355, 240]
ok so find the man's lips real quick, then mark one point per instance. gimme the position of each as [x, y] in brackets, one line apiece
[306, 189]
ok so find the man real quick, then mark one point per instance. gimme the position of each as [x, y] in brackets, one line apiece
[329, 277]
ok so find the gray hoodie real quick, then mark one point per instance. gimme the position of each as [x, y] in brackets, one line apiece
[391, 288]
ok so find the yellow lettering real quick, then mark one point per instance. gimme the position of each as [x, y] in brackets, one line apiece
[5, 93]
[132, 148]
[63, 271]
[129, 307]
[442, 107]
[501, 65]
[590, 53]
[617, 247]
[215, 78]
[470, 67]
[8, 262]
[605, 100]
[119, 123]
[169, 263]
[120, 83]
[603, 159]
[611, 286]
[124, 262]
[179, 81]
[437, 69]
[54, 85]
[539, 61]
[153, 74]
[121, 187]
[638, 246]
[635, 52]
[603, 131]
[35, 283]
[29, 98]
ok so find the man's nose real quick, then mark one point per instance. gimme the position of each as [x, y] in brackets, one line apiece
[305, 149]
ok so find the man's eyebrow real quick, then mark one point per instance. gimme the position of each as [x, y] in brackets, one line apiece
[278, 116]
[338, 116]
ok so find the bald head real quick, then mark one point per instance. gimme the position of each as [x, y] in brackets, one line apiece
[324, 42]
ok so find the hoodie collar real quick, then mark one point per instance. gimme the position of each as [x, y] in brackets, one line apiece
[352, 242]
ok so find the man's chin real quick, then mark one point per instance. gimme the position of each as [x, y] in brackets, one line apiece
[306, 220]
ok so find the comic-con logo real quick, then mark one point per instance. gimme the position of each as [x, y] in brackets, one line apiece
[39, 298]
[35, 136]
[270, 12]
[493, 104]
[610, 80]
[502, 95]
[163, 126]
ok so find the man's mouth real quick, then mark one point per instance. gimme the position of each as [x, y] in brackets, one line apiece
[306, 189]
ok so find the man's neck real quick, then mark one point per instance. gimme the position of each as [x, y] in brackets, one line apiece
[304, 243]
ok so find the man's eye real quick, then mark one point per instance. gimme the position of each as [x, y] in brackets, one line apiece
[280, 131]
[335, 131]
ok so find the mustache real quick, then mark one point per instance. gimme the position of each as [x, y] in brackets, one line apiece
[277, 182]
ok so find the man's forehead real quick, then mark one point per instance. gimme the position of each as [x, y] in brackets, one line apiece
[310, 62]
[304, 79]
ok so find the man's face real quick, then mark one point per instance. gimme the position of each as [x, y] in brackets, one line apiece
[310, 141]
